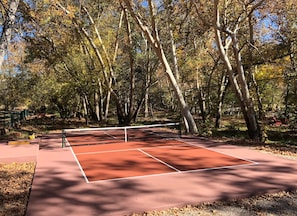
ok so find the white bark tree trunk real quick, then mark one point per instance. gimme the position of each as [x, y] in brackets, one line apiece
[9, 21]
[240, 86]
[153, 38]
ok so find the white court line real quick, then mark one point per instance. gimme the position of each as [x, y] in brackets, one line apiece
[217, 151]
[184, 143]
[81, 169]
[163, 162]
[172, 173]
[130, 149]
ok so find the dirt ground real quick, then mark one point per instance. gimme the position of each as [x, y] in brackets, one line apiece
[16, 179]
[278, 204]
[15, 185]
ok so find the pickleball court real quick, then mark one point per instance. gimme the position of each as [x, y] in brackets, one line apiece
[108, 154]
[116, 173]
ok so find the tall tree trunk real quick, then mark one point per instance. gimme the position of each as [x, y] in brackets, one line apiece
[153, 38]
[240, 87]
[288, 75]
[174, 57]
[6, 33]
[86, 111]
[131, 109]
[147, 76]
[101, 102]
[97, 106]
[183, 105]
[248, 110]
[173, 50]
[201, 99]
[221, 94]
[251, 69]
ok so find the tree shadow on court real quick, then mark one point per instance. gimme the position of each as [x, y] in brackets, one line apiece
[232, 184]
[61, 187]
[56, 191]
[69, 194]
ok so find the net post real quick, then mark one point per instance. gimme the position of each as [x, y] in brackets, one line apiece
[63, 138]
[126, 136]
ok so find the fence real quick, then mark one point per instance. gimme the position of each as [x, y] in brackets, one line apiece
[10, 119]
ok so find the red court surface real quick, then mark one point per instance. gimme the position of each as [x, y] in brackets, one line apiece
[59, 188]
[133, 159]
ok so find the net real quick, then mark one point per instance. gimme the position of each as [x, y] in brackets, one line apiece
[95, 136]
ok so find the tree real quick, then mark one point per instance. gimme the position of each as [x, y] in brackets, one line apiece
[286, 34]
[8, 12]
[94, 52]
[152, 35]
[107, 56]
[236, 73]
[112, 57]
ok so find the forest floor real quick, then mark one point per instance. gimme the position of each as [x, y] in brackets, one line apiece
[16, 180]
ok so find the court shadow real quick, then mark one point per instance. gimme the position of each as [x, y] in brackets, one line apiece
[268, 176]
[68, 194]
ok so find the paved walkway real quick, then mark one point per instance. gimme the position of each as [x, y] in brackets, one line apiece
[18, 153]
[60, 189]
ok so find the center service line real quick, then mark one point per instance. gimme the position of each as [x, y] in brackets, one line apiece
[166, 164]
